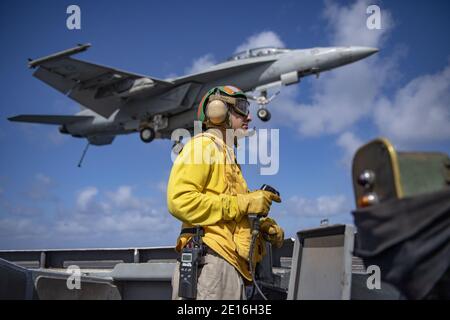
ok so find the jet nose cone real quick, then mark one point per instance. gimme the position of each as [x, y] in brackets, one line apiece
[359, 53]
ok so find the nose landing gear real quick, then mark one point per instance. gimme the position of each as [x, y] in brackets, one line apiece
[264, 114]
[262, 100]
[147, 134]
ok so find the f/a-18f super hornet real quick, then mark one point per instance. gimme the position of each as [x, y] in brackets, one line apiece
[120, 102]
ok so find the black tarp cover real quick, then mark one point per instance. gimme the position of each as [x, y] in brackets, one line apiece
[409, 239]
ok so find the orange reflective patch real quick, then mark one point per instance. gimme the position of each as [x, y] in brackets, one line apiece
[228, 90]
[200, 107]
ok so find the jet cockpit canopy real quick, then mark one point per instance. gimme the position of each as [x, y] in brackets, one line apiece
[257, 52]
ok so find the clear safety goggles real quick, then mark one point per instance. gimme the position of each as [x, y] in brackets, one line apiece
[240, 105]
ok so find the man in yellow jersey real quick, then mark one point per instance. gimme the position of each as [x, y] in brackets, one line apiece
[206, 188]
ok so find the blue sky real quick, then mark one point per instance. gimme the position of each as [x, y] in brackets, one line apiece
[117, 199]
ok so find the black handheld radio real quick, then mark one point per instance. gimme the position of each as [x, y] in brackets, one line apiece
[190, 258]
[266, 187]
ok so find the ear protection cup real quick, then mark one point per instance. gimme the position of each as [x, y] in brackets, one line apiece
[216, 111]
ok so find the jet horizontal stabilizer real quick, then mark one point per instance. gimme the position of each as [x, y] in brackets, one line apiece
[49, 119]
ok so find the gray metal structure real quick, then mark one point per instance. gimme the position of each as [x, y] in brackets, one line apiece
[119, 102]
[322, 264]
[106, 274]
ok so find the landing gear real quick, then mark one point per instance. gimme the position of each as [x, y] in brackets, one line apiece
[150, 127]
[264, 114]
[262, 101]
[147, 134]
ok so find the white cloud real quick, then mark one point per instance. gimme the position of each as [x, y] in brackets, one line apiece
[134, 222]
[99, 218]
[41, 188]
[348, 24]
[323, 206]
[45, 180]
[201, 64]
[45, 136]
[70, 227]
[56, 138]
[19, 209]
[121, 218]
[85, 197]
[350, 143]
[419, 112]
[344, 96]
[122, 198]
[21, 228]
[118, 212]
[262, 39]
[162, 186]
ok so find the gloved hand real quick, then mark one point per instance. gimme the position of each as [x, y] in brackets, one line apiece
[256, 202]
[271, 231]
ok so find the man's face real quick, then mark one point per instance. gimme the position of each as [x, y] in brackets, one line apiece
[239, 121]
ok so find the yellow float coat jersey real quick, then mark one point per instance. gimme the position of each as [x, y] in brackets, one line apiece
[202, 191]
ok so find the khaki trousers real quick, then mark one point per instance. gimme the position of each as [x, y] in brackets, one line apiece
[217, 280]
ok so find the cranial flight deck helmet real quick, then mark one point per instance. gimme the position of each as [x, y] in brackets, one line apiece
[214, 107]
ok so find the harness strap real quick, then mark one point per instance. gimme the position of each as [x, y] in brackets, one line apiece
[191, 230]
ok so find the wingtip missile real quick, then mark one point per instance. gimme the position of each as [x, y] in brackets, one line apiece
[79, 48]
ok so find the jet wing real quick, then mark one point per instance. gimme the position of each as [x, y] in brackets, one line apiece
[224, 70]
[49, 119]
[91, 85]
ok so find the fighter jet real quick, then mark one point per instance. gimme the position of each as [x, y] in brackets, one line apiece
[119, 102]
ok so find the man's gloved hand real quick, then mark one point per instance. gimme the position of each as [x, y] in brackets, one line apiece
[271, 231]
[256, 202]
